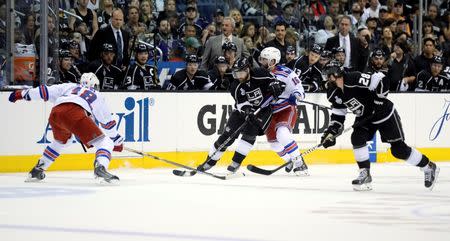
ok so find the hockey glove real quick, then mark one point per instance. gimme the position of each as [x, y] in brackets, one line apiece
[15, 96]
[118, 143]
[329, 136]
[294, 97]
[276, 88]
[249, 113]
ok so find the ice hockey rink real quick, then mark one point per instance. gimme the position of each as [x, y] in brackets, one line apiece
[153, 204]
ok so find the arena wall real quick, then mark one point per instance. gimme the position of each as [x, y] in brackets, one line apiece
[182, 126]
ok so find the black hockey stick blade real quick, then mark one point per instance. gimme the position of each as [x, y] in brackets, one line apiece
[261, 171]
[184, 173]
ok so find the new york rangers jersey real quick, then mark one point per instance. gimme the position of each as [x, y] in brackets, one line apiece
[89, 99]
[293, 85]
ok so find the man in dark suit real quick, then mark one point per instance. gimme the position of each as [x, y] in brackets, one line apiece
[213, 46]
[114, 35]
[356, 54]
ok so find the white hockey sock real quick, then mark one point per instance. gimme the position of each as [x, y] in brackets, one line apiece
[51, 153]
[285, 138]
[279, 149]
[217, 155]
[243, 147]
[104, 148]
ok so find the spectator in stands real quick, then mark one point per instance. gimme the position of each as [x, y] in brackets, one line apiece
[372, 11]
[192, 17]
[356, 16]
[104, 13]
[375, 35]
[190, 78]
[401, 73]
[387, 41]
[78, 60]
[288, 15]
[133, 25]
[423, 61]
[217, 21]
[279, 41]
[170, 9]
[383, 15]
[364, 37]
[446, 26]
[192, 46]
[29, 29]
[318, 9]
[89, 18]
[253, 8]
[428, 30]
[208, 32]
[109, 75]
[113, 34]
[274, 10]
[249, 30]
[147, 16]
[356, 54]
[174, 23]
[213, 46]
[165, 40]
[327, 32]
[334, 10]
[220, 75]
[239, 23]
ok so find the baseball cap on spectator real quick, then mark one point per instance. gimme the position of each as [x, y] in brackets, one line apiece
[437, 60]
[286, 4]
[383, 8]
[371, 19]
[219, 12]
[192, 42]
[220, 60]
[290, 49]
[191, 7]
[192, 58]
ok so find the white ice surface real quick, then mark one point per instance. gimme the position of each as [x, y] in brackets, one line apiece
[156, 205]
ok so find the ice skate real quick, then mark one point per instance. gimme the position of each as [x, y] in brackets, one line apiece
[364, 181]
[431, 172]
[101, 173]
[289, 167]
[300, 167]
[36, 174]
[233, 167]
[208, 164]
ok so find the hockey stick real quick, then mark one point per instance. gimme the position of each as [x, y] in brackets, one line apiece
[175, 163]
[185, 173]
[266, 172]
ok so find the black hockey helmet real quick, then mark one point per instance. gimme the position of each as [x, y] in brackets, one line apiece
[333, 68]
[377, 52]
[142, 48]
[107, 47]
[229, 46]
[241, 64]
[192, 58]
[338, 50]
[316, 49]
[64, 53]
[220, 60]
[437, 60]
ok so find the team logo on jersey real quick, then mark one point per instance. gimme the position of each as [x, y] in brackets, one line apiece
[255, 96]
[355, 106]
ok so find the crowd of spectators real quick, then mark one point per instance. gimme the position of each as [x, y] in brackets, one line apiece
[119, 40]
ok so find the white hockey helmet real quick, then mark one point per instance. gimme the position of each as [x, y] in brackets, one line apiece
[271, 53]
[90, 80]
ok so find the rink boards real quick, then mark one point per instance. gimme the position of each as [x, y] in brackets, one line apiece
[182, 126]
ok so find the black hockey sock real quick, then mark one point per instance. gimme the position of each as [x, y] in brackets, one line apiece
[238, 157]
[364, 164]
[424, 161]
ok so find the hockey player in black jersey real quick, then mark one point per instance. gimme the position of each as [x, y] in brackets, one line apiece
[220, 75]
[435, 80]
[141, 76]
[252, 89]
[67, 71]
[306, 67]
[109, 75]
[190, 78]
[365, 95]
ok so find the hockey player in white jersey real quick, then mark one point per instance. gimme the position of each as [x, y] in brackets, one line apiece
[279, 132]
[75, 108]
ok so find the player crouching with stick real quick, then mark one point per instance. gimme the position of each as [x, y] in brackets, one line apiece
[76, 107]
[365, 94]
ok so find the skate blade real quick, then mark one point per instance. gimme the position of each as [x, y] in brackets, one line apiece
[436, 175]
[32, 179]
[302, 174]
[111, 182]
[231, 175]
[363, 187]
